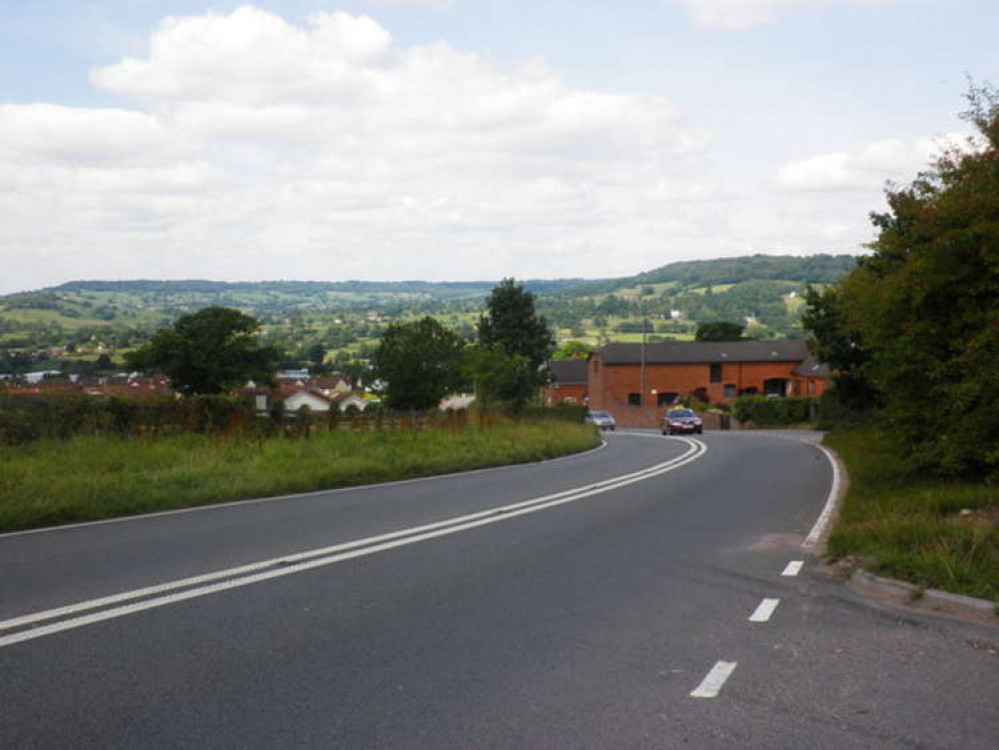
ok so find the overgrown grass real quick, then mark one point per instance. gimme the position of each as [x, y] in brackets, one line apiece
[910, 528]
[85, 478]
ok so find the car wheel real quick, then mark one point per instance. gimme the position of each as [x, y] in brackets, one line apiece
[700, 430]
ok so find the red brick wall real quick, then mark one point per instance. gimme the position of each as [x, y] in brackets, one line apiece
[611, 384]
[555, 394]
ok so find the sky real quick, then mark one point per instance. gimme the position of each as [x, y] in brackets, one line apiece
[463, 139]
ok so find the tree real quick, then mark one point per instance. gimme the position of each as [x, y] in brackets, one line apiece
[722, 330]
[211, 351]
[835, 343]
[499, 377]
[924, 306]
[572, 350]
[513, 324]
[421, 363]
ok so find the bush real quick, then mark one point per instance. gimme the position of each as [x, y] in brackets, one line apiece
[27, 417]
[566, 412]
[772, 412]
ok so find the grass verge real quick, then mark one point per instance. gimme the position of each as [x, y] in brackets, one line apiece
[87, 478]
[913, 529]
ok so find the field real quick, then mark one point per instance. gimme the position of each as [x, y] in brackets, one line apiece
[86, 478]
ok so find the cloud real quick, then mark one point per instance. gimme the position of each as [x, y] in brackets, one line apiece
[744, 14]
[868, 168]
[340, 154]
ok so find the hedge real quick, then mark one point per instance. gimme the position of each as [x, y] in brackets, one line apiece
[773, 412]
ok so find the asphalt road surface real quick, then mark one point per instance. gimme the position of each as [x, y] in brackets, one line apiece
[650, 594]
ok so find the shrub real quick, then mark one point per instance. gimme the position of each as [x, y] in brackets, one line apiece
[772, 412]
[565, 412]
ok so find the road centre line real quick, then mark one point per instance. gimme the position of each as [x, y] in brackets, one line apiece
[712, 684]
[793, 568]
[764, 611]
[295, 563]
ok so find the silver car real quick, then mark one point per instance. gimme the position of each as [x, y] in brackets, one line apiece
[601, 419]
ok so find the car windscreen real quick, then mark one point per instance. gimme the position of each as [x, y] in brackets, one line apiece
[681, 413]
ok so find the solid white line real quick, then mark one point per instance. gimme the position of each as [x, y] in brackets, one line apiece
[323, 556]
[764, 611]
[793, 568]
[299, 495]
[830, 507]
[712, 684]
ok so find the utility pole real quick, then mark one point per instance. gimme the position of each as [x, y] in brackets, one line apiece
[641, 369]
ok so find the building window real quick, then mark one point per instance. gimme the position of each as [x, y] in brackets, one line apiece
[715, 373]
[666, 399]
[730, 390]
[634, 399]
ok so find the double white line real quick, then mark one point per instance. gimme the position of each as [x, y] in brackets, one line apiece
[30, 626]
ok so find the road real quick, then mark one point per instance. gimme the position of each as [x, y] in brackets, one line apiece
[637, 596]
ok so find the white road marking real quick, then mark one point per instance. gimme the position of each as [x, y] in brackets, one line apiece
[288, 564]
[793, 568]
[829, 510]
[764, 611]
[712, 684]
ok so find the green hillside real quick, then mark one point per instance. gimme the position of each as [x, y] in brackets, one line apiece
[338, 322]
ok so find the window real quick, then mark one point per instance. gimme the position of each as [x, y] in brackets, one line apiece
[665, 399]
[730, 390]
[715, 372]
[634, 399]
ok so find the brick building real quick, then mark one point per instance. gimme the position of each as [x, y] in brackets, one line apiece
[567, 382]
[636, 382]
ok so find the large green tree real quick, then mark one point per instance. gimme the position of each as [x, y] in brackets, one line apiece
[499, 378]
[923, 308]
[420, 361]
[211, 351]
[721, 330]
[512, 323]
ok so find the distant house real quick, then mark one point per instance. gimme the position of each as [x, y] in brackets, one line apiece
[330, 385]
[457, 402]
[635, 382]
[567, 382]
[304, 397]
[352, 400]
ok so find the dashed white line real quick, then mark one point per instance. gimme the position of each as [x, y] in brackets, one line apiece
[764, 611]
[712, 684]
[793, 568]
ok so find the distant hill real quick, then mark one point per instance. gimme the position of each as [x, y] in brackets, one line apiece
[346, 318]
[427, 289]
[812, 269]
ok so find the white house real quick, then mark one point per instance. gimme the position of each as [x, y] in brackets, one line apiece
[315, 401]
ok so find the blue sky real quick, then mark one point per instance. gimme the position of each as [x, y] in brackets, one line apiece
[462, 139]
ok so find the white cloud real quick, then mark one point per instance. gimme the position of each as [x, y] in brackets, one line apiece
[337, 153]
[744, 14]
[868, 168]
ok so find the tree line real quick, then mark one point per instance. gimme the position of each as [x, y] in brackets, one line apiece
[913, 331]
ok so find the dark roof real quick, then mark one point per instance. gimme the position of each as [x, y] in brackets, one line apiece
[568, 371]
[688, 352]
[812, 368]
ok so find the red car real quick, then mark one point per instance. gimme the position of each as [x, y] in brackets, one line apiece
[681, 421]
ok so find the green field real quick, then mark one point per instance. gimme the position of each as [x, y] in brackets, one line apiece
[51, 482]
